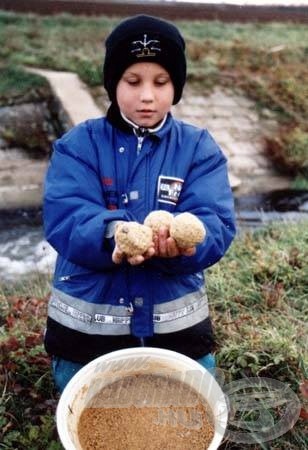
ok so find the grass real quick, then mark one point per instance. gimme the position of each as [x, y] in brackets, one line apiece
[258, 295]
[300, 183]
[15, 80]
[267, 61]
[289, 150]
[261, 282]
[259, 301]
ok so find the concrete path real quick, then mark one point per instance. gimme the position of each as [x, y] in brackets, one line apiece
[72, 93]
[233, 121]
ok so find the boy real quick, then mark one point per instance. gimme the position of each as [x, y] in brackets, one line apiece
[119, 168]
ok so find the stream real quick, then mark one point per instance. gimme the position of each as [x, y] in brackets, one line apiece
[23, 249]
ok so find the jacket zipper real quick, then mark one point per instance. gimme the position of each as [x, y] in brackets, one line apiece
[147, 177]
[139, 144]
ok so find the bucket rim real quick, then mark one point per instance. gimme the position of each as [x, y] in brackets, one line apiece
[77, 382]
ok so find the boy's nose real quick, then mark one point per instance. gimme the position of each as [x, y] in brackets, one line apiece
[147, 94]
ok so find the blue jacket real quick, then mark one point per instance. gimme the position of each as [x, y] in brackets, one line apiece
[97, 175]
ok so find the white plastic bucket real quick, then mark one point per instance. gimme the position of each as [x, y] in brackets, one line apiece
[108, 368]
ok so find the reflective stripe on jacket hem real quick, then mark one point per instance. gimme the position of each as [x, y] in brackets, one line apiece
[93, 318]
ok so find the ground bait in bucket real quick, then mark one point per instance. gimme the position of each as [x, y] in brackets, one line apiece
[146, 412]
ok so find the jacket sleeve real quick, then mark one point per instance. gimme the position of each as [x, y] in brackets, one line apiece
[75, 214]
[207, 194]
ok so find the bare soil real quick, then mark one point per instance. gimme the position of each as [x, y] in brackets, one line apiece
[169, 10]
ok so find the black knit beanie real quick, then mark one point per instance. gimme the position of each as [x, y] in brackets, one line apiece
[145, 38]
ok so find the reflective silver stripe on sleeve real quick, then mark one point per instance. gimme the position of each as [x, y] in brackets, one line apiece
[93, 318]
[69, 310]
[90, 318]
[181, 313]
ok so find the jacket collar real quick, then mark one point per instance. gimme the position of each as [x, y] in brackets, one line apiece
[115, 117]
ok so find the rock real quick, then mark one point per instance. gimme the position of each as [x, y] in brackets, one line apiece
[28, 126]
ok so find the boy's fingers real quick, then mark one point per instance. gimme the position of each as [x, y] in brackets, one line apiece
[149, 253]
[163, 233]
[162, 241]
[117, 255]
[188, 251]
[156, 243]
[139, 259]
[135, 260]
[172, 249]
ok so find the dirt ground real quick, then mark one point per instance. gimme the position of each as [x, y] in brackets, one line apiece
[169, 10]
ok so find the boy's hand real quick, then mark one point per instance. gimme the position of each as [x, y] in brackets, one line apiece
[118, 256]
[166, 247]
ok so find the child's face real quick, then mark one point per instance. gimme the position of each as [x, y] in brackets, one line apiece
[145, 93]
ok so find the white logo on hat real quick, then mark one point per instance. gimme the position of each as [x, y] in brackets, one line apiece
[146, 48]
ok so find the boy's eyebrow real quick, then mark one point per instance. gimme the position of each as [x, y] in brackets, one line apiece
[130, 73]
[159, 74]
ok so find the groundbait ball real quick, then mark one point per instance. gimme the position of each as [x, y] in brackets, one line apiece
[187, 230]
[158, 219]
[133, 238]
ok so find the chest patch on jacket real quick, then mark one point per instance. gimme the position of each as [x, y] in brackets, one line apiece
[169, 189]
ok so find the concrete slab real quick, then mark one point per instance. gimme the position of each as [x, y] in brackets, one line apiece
[235, 124]
[72, 93]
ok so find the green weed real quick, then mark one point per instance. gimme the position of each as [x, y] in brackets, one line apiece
[27, 398]
[15, 83]
[289, 150]
[258, 298]
[300, 183]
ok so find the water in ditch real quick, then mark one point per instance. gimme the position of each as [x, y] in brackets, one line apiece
[23, 249]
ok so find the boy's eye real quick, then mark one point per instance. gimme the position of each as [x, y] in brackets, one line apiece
[162, 81]
[132, 81]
